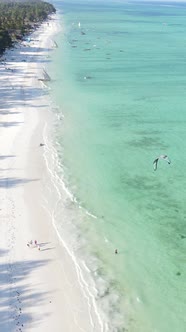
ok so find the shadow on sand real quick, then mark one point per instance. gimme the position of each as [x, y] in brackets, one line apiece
[9, 182]
[17, 295]
[15, 95]
[8, 156]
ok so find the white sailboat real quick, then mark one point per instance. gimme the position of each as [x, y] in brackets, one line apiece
[46, 77]
[55, 44]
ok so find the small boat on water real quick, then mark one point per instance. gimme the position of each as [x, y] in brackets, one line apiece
[55, 44]
[46, 77]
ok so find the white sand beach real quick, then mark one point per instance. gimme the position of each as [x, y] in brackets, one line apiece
[39, 289]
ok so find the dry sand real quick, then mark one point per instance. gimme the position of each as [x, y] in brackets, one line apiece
[39, 289]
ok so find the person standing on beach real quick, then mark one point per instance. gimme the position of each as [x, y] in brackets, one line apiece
[30, 243]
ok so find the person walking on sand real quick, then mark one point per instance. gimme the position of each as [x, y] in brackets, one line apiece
[30, 243]
[35, 242]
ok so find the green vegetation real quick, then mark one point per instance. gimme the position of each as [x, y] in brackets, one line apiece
[18, 18]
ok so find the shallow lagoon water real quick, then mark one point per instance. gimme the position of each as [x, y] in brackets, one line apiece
[119, 85]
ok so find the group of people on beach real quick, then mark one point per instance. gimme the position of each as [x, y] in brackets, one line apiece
[33, 244]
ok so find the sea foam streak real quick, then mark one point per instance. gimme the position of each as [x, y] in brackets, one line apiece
[89, 291]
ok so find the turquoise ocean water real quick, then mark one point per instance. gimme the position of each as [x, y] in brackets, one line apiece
[119, 89]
